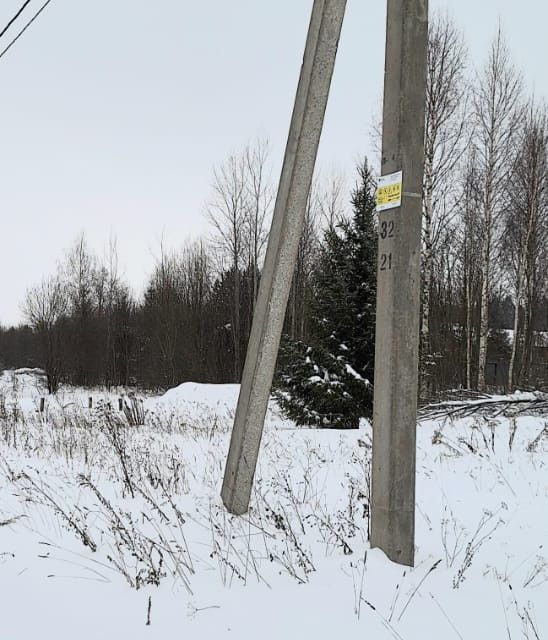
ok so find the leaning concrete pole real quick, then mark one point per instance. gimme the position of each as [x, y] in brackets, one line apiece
[398, 281]
[281, 255]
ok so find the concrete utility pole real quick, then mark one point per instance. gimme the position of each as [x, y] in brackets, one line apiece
[398, 282]
[281, 255]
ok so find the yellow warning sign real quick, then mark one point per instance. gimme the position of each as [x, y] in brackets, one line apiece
[389, 191]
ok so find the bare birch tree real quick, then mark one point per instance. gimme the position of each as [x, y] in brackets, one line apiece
[526, 230]
[445, 134]
[497, 102]
[470, 251]
[227, 212]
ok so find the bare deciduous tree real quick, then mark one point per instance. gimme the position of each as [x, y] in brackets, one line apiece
[227, 213]
[526, 229]
[470, 252]
[239, 212]
[163, 304]
[80, 276]
[196, 271]
[497, 110]
[331, 199]
[44, 307]
[300, 294]
[259, 197]
[445, 134]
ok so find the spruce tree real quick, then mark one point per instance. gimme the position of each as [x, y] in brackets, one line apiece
[328, 382]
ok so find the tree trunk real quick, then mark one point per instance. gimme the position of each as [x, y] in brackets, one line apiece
[485, 272]
[511, 367]
[468, 327]
[427, 253]
[236, 329]
[527, 356]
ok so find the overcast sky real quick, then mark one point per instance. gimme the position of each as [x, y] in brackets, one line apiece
[113, 112]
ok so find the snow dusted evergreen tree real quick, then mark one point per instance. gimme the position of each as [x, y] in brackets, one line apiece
[329, 381]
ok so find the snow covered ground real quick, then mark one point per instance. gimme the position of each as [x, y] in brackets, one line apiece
[105, 526]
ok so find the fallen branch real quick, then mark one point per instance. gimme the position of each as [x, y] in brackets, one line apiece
[534, 403]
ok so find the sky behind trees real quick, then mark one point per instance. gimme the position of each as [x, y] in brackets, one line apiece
[114, 113]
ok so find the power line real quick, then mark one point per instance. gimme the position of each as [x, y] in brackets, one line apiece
[10, 45]
[14, 18]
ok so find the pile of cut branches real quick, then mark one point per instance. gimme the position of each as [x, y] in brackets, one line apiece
[467, 403]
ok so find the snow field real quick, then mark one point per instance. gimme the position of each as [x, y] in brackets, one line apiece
[100, 519]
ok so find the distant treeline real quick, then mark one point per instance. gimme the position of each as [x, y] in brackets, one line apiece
[86, 328]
